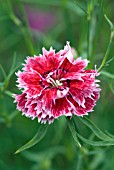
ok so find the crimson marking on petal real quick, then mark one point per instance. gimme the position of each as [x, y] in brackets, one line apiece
[61, 107]
[75, 66]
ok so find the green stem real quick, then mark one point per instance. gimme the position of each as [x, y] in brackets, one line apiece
[109, 45]
[106, 54]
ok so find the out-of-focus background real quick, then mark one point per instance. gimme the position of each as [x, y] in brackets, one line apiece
[25, 27]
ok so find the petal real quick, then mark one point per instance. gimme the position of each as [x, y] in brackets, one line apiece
[67, 52]
[85, 103]
[21, 101]
[61, 107]
[66, 65]
[79, 110]
[33, 92]
[78, 96]
[88, 83]
[43, 63]
[28, 78]
[80, 90]
[48, 97]
[52, 59]
[75, 66]
[72, 76]
[37, 64]
[79, 65]
[31, 111]
[44, 120]
[30, 82]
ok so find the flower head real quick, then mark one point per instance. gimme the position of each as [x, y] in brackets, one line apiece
[54, 84]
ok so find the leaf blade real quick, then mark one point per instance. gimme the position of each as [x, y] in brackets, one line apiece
[107, 74]
[95, 143]
[38, 136]
[73, 131]
[101, 135]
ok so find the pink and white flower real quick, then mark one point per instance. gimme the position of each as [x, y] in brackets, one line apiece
[54, 84]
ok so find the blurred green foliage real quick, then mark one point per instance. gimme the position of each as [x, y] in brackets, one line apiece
[83, 24]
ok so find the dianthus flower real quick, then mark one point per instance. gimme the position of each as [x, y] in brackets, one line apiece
[54, 84]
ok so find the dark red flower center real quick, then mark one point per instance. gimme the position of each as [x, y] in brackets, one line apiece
[53, 79]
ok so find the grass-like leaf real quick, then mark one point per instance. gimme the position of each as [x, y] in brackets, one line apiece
[8, 93]
[39, 135]
[101, 135]
[73, 131]
[109, 134]
[3, 71]
[109, 45]
[95, 143]
[110, 23]
[13, 68]
[107, 74]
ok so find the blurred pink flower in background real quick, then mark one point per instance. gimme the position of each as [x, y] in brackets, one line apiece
[39, 19]
[54, 84]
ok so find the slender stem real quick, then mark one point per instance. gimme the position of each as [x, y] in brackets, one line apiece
[109, 45]
[107, 52]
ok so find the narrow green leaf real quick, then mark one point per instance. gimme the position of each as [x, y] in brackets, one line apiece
[13, 68]
[109, 45]
[73, 131]
[101, 135]
[109, 134]
[8, 93]
[110, 23]
[3, 71]
[39, 135]
[110, 60]
[109, 75]
[95, 143]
